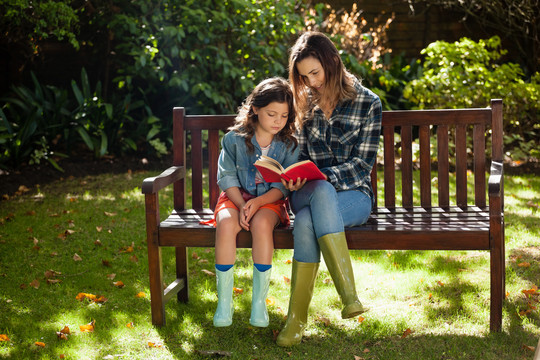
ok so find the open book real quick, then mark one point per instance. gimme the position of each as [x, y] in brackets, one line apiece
[272, 171]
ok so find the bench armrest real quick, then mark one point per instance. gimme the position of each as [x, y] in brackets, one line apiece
[495, 180]
[154, 184]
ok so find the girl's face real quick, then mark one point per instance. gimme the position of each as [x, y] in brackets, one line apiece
[272, 118]
[312, 72]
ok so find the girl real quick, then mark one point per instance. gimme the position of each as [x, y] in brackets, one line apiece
[339, 124]
[264, 126]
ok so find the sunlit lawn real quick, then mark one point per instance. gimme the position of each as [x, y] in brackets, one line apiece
[84, 235]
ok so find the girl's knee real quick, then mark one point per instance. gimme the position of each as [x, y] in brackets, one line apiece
[228, 225]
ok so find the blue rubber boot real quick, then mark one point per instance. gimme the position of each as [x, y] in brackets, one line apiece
[224, 311]
[259, 313]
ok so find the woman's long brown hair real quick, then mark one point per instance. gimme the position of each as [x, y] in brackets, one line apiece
[338, 81]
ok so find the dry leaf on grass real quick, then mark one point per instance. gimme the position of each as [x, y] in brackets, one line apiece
[406, 333]
[88, 327]
[4, 337]
[39, 344]
[76, 257]
[118, 284]
[208, 272]
[35, 284]
[140, 295]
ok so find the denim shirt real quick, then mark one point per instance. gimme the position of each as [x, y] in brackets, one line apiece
[235, 164]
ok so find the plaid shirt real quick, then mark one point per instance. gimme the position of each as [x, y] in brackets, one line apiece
[345, 146]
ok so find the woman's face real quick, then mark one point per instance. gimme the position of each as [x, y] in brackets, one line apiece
[312, 72]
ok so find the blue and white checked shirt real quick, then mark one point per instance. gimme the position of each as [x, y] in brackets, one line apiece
[345, 146]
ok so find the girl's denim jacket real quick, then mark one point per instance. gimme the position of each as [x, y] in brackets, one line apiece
[235, 164]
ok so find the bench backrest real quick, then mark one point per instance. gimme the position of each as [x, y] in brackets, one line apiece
[466, 127]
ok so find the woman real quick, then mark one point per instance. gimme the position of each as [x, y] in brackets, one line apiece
[339, 125]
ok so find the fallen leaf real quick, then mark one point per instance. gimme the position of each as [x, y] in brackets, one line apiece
[195, 256]
[270, 301]
[105, 263]
[406, 333]
[324, 320]
[366, 350]
[40, 344]
[109, 213]
[97, 242]
[88, 327]
[127, 249]
[208, 272]
[361, 319]
[288, 261]
[358, 358]
[30, 213]
[440, 283]
[118, 284]
[82, 296]
[111, 276]
[286, 279]
[61, 335]
[53, 281]
[527, 347]
[51, 274]
[238, 291]
[99, 228]
[76, 257]
[134, 258]
[35, 284]
[130, 325]
[101, 299]
[140, 295]
[65, 330]
[524, 264]
[4, 337]
[153, 345]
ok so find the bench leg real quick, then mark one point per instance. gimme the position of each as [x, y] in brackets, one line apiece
[182, 272]
[497, 287]
[156, 284]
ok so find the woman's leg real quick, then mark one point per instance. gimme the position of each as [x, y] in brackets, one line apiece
[262, 232]
[330, 212]
[227, 227]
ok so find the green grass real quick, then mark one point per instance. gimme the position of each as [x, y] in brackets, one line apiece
[442, 297]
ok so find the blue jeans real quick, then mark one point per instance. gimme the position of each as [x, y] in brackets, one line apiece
[320, 210]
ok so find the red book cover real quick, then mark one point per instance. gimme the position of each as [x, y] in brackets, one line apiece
[272, 171]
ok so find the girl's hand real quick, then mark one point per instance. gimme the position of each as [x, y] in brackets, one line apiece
[291, 186]
[250, 208]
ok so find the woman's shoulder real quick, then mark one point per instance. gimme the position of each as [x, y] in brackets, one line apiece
[363, 92]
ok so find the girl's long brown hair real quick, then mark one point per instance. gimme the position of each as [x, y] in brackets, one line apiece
[338, 81]
[271, 90]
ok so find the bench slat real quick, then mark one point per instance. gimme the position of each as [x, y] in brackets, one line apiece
[425, 166]
[443, 182]
[461, 165]
[389, 167]
[196, 168]
[406, 166]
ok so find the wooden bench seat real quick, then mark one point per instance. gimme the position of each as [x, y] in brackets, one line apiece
[453, 223]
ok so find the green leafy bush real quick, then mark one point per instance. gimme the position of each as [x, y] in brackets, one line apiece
[468, 74]
[202, 54]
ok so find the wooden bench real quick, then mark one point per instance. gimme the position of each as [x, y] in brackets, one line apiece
[451, 224]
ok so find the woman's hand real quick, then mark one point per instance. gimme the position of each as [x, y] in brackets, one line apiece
[291, 186]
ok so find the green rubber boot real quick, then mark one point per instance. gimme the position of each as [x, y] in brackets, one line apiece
[224, 311]
[261, 282]
[337, 258]
[302, 282]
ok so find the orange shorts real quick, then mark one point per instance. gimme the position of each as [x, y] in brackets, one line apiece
[279, 207]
